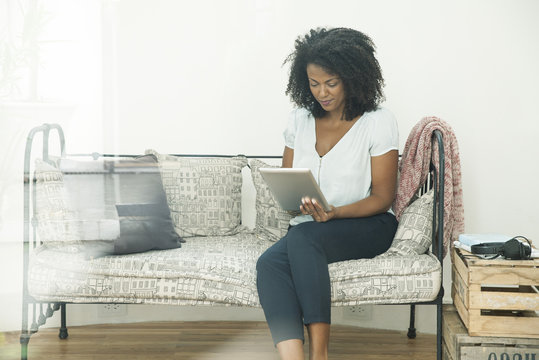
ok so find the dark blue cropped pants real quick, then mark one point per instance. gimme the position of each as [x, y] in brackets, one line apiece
[292, 275]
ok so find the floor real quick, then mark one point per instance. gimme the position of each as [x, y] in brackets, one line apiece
[221, 340]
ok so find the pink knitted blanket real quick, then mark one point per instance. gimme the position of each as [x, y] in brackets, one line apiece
[414, 167]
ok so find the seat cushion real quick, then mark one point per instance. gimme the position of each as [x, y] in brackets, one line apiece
[216, 270]
[385, 279]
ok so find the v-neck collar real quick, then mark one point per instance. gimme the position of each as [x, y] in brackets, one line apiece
[338, 142]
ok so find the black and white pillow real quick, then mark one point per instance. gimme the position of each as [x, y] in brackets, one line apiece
[271, 220]
[414, 233]
[203, 194]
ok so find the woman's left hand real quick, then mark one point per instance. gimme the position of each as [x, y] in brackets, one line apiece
[314, 208]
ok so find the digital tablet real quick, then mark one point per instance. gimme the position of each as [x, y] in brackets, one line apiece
[289, 185]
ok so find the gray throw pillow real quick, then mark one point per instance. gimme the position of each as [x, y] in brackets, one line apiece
[109, 206]
[145, 221]
[145, 227]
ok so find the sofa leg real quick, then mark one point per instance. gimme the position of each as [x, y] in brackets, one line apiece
[439, 333]
[24, 340]
[63, 327]
[411, 329]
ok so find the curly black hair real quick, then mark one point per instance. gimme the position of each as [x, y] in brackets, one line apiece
[346, 53]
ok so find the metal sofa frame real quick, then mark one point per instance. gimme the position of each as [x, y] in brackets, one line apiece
[40, 311]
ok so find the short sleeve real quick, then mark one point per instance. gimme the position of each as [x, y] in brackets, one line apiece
[289, 133]
[385, 133]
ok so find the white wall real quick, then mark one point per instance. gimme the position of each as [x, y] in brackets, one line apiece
[68, 92]
[206, 77]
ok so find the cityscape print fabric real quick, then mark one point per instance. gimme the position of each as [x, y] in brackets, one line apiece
[217, 265]
[217, 270]
[66, 214]
[203, 194]
[271, 220]
[414, 233]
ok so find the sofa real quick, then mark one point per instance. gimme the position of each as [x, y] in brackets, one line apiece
[169, 229]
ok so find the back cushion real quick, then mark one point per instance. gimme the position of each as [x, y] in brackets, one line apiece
[203, 194]
[271, 220]
[56, 217]
[414, 233]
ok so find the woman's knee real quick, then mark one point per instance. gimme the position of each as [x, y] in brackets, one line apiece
[263, 262]
[272, 258]
[304, 241]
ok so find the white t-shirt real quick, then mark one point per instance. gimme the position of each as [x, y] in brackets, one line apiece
[344, 173]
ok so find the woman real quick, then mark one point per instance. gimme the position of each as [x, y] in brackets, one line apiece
[350, 144]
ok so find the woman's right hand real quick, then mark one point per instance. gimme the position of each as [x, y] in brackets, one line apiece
[314, 208]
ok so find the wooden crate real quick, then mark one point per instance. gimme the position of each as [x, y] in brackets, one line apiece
[458, 345]
[496, 297]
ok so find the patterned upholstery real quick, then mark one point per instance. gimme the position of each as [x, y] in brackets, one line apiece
[271, 220]
[414, 232]
[217, 264]
[216, 270]
[63, 217]
[203, 194]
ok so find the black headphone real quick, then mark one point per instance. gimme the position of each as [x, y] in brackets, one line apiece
[512, 249]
